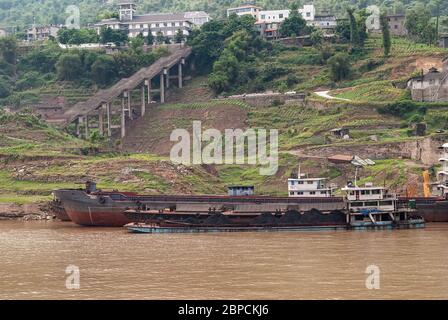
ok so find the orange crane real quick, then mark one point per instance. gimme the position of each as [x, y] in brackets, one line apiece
[426, 183]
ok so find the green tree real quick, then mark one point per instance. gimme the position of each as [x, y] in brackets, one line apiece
[104, 70]
[115, 36]
[8, 49]
[69, 67]
[137, 43]
[160, 38]
[340, 67]
[386, 34]
[354, 32]
[294, 25]
[179, 37]
[317, 37]
[150, 38]
[419, 26]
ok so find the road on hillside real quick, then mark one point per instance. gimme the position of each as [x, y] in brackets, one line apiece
[324, 94]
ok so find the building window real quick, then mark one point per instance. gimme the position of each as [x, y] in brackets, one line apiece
[280, 16]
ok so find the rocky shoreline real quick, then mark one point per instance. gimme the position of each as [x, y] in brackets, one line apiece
[25, 212]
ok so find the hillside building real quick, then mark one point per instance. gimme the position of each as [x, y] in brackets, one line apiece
[430, 87]
[443, 41]
[42, 33]
[396, 22]
[3, 33]
[326, 22]
[166, 23]
[248, 9]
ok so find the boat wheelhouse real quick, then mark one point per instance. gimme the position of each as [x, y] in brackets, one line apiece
[443, 175]
[304, 187]
[371, 207]
[369, 198]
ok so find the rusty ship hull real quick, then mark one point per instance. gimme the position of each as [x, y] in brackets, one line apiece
[108, 209]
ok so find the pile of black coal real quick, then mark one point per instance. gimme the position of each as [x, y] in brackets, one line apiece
[265, 218]
[315, 216]
[217, 219]
[291, 217]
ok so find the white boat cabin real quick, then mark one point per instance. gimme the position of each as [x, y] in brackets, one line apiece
[369, 198]
[443, 175]
[303, 187]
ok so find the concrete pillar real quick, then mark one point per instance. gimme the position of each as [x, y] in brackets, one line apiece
[109, 119]
[180, 74]
[78, 126]
[123, 118]
[130, 105]
[148, 84]
[101, 119]
[143, 101]
[162, 88]
[167, 77]
[87, 127]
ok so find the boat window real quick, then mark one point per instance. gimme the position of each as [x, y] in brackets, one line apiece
[310, 182]
[376, 191]
[312, 192]
[300, 182]
[387, 203]
[365, 192]
[357, 204]
[299, 193]
[291, 193]
[323, 192]
[371, 204]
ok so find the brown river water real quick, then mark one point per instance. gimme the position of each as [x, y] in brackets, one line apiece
[114, 264]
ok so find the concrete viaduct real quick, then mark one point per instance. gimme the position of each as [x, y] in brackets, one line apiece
[100, 105]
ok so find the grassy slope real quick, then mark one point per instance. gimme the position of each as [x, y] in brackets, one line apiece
[35, 159]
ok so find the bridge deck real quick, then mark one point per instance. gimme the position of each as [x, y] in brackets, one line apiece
[126, 84]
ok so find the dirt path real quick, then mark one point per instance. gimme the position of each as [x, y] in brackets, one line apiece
[324, 94]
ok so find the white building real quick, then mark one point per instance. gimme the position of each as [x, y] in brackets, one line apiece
[303, 187]
[273, 16]
[245, 10]
[324, 21]
[167, 23]
[198, 18]
[308, 13]
[443, 174]
[41, 33]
